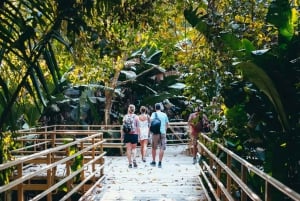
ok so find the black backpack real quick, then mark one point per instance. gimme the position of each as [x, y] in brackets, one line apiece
[155, 125]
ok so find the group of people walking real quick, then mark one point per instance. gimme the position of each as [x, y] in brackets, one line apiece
[140, 132]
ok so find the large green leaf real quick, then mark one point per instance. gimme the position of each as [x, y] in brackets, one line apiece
[231, 41]
[191, 15]
[37, 86]
[31, 92]
[280, 15]
[52, 65]
[263, 82]
[196, 20]
[248, 46]
[42, 80]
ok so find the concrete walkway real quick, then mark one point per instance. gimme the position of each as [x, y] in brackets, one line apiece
[177, 180]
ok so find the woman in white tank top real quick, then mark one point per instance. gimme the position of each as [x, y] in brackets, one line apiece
[144, 124]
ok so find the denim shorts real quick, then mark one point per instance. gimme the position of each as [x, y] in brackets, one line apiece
[131, 138]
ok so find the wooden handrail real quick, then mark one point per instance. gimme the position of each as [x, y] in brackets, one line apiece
[215, 167]
[245, 166]
[72, 175]
[30, 146]
[87, 145]
[50, 144]
[42, 153]
[224, 167]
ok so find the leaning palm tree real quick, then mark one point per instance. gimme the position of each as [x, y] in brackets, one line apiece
[28, 68]
[29, 71]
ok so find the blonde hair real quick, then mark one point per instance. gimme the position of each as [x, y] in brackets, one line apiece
[143, 109]
[131, 108]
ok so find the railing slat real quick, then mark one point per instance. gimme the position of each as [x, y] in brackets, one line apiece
[93, 144]
[88, 144]
[246, 167]
[228, 171]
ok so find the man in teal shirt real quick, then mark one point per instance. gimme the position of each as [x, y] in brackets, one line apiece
[159, 139]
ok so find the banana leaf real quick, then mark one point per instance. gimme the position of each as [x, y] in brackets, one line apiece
[257, 76]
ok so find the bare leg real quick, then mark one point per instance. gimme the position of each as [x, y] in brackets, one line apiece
[145, 148]
[195, 150]
[153, 153]
[128, 152]
[142, 148]
[141, 143]
[134, 155]
[155, 142]
[162, 147]
[133, 146]
[161, 154]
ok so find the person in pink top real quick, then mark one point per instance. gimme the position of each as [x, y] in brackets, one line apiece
[131, 138]
[195, 122]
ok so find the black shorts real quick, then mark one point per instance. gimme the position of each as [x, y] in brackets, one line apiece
[131, 138]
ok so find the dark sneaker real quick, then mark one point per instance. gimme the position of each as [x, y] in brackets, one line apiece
[130, 165]
[159, 165]
[194, 160]
[134, 164]
[153, 163]
[144, 160]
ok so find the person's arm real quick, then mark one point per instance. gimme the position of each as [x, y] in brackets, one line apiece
[190, 119]
[167, 123]
[151, 117]
[137, 124]
[191, 123]
[121, 131]
[149, 121]
[205, 118]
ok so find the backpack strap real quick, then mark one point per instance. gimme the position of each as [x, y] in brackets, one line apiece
[149, 120]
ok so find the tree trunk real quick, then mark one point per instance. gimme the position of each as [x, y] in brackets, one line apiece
[109, 94]
[108, 105]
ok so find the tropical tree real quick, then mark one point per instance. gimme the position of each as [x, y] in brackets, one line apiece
[29, 71]
[99, 35]
[262, 66]
[120, 49]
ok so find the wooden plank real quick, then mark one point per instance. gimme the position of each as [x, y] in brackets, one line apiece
[176, 180]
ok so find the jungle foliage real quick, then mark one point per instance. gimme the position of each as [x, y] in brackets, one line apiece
[261, 93]
[86, 60]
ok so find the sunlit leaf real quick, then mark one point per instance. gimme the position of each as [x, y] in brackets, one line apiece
[260, 52]
[129, 74]
[247, 45]
[231, 41]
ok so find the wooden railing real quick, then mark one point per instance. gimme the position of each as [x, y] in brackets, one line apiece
[52, 146]
[229, 179]
[45, 164]
[176, 133]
